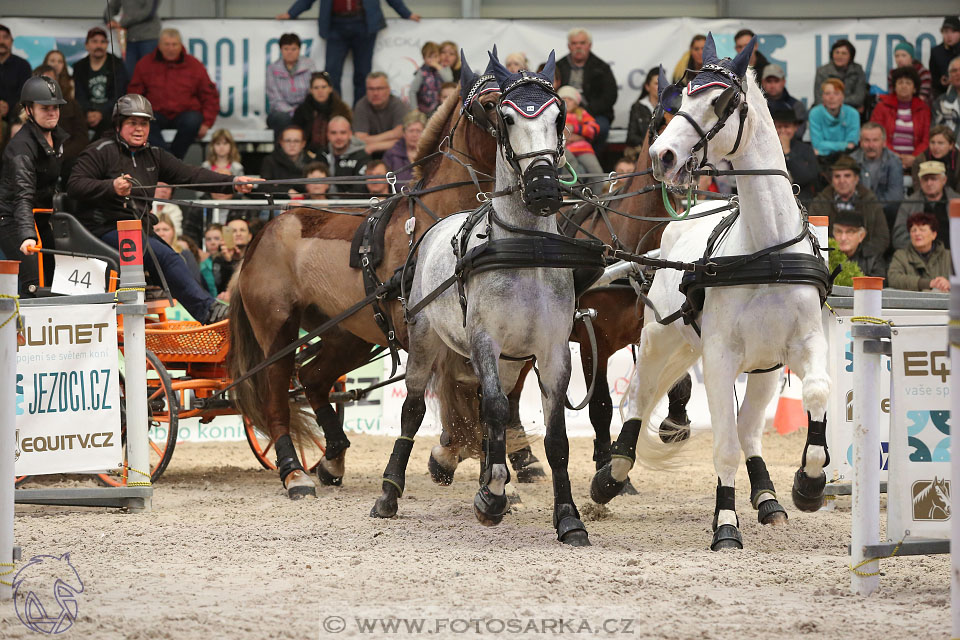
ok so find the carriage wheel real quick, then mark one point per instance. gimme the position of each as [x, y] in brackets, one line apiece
[163, 413]
[309, 453]
[20, 480]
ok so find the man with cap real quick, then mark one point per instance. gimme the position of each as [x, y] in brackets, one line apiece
[904, 56]
[112, 173]
[881, 170]
[801, 160]
[14, 71]
[31, 167]
[846, 195]
[943, 53]
[99, 79]
[932, 197]
[774, 86]
[848, 230]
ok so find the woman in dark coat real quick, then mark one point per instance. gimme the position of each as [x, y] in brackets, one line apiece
[317, 109]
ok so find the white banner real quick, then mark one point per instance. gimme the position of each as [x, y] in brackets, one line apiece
[918, 492]
[236, 52]
[68, 401]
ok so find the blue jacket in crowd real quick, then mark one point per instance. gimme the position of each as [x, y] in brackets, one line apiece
[829, 134]
[373, 15]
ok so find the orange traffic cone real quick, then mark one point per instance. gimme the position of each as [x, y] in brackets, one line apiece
[790, 415]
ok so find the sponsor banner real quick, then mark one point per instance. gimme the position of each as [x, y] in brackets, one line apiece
[236, 52]
[68, 400]
[918, 494]
[840, 405]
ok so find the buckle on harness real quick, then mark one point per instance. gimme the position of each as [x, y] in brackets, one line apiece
[365, 261]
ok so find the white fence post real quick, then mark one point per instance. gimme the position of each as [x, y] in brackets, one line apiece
[954, 416]
[867, 302]
[8, 418]
[130, 291]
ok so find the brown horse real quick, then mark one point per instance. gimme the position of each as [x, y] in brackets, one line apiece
[617, 325]
[296, 274]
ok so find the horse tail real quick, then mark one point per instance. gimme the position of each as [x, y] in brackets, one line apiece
[455, 385]
[249, 396]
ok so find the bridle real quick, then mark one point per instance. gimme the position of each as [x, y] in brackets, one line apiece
[731, 99]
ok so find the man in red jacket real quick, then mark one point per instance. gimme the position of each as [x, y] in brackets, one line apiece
[178, 87]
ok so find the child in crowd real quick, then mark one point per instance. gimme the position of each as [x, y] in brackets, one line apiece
[429, 78]
[223, 156]
[317, 190]
[582, 128]
[165, 229]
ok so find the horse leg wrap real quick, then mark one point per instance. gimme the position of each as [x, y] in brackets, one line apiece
[495, 452]
[287, 460]
[601, 452]
[336, 441]
[726, 536]
[626, 444]
[489, 507]
[396, 470]
[816, 435]
[760, 484]
[526, 465]
[569, 526]
[678, 398]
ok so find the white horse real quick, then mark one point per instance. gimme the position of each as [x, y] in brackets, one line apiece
[509, 313]
[743, 328]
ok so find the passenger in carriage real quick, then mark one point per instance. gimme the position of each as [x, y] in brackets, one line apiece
[31, 168]
[111, 170]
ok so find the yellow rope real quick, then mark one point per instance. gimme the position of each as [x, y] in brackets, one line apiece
[124, 465]
[830, 309]
[15, 314]
[7, 572]
[871, 320]
[117, 292]
[864, 574]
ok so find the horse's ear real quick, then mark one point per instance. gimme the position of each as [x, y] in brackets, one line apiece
[662, 82]
[499, 71]
[550, 68]
[742, 61]
[467, 77]
[710, 50]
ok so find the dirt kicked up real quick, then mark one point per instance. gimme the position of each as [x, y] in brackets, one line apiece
[225, 554]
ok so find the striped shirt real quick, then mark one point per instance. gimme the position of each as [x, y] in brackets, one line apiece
[903, 129]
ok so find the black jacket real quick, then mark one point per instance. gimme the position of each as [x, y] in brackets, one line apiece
[803, 168]
[117, 81]
[13, 73]
[599, 85]
[352, 162]
[640, 116]
[279, 166]
[91, 182]
[313, 118]
[940, 57]
[29, 177]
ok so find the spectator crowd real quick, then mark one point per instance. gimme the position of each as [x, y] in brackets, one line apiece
[881, 166]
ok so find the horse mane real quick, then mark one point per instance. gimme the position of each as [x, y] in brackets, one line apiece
[438, 126]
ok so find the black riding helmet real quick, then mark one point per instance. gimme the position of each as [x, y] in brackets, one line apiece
[131, 104]
[41, 90]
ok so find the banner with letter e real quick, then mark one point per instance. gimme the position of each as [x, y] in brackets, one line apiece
[918, 487]
[68, 399]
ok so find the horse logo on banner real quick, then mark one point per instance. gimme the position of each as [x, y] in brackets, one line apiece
[931, 499]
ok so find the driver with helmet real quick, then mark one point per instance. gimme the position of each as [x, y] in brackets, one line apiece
[111, 169]
[31, 167]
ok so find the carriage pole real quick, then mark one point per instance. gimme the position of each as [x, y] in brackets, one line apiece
[867, 303]
[955, 412]
[133, 309]
[8, 417]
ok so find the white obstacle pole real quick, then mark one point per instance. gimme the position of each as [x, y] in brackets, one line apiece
[867, 302]
[8, 418]
[132, 283]
[954, 418]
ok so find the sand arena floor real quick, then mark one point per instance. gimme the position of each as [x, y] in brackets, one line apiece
[224, 554]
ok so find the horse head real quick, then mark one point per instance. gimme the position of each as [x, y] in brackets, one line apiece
[530, 121]
[479, 95]
[712, 108]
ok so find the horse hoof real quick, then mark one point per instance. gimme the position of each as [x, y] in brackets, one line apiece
[533, 472]
[327, 478]
[438, 473]
[604, 487]
[571, 531]
[672, 431]
[628, 489]
[489, 507]
[770, 512]
[384, 507]
[808, 492]
[726, 536]
[299, 485]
